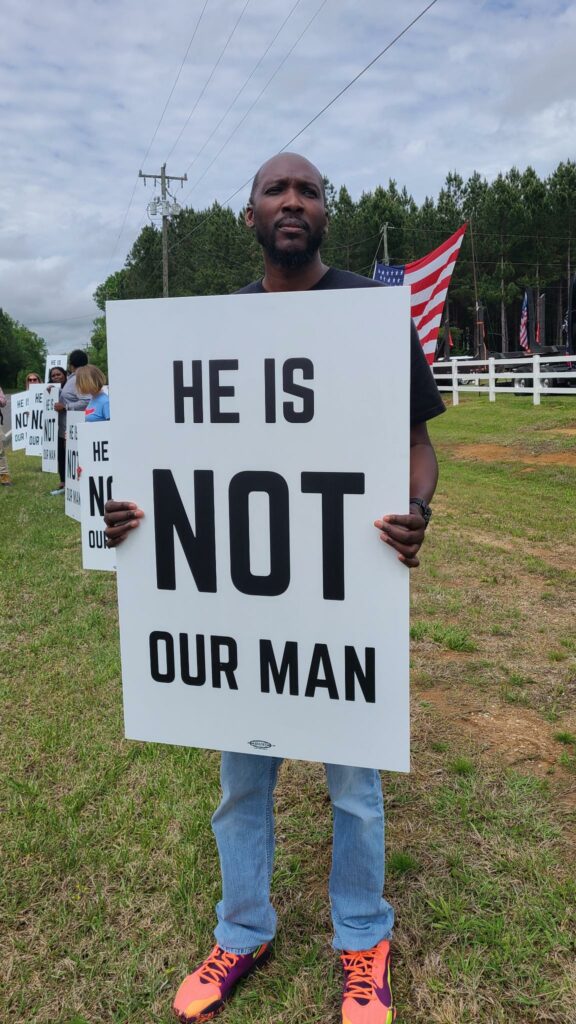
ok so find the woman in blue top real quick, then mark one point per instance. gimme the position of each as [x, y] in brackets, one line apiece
[90, 381]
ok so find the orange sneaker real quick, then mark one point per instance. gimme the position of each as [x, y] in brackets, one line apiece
[367, 996]
[202, 994]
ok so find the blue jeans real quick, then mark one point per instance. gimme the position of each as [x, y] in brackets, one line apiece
[244, 830]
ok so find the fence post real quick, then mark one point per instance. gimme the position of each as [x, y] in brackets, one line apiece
[491, 380]
[455, 395]
[536, 384]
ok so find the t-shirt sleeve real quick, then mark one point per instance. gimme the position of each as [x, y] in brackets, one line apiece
[425, 400]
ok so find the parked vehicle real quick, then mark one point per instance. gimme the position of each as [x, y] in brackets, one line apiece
[550, 373]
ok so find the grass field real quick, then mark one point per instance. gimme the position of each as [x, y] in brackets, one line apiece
[109, 869]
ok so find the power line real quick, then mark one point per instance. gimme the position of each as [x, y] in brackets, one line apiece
[253, 104]
[61, 320]
[206, 253]
[254, 69]
[436, 230]
[360, 73]
[319, 114]
[241, 90]
[150, 144]
[413, 230]
[217, 254]
[176, 245]
[196, 27]
[209, 79]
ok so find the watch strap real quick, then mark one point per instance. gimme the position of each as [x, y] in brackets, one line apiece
[424, 508]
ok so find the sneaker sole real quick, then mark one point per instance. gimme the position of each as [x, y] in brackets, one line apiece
[212, 1011]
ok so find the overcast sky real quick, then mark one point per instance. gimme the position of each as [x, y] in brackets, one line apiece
[474, 85]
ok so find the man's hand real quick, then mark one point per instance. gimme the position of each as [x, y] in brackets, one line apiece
[59, 406]
[120, 517]
[405, 534]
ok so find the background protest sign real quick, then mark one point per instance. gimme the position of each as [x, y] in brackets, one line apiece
[95, 490]
[259, 611]
[50, 430]
[35, 436]
[54, 360]
[72, 493]
[19, 409]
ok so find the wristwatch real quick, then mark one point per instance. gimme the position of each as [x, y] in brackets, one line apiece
[424, 508]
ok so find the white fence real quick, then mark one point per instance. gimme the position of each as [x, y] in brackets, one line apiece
[534, 375]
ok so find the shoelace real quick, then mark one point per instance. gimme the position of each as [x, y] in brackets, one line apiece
[218, 964]
[358, 969]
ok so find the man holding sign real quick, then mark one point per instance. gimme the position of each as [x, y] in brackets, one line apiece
[68, 401]
[287, 212]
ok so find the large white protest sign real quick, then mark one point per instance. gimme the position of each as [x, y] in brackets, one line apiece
[20, 414]
[259, 610]
[54, 360]
[95, 491]
[72, 492]
[36, 418]
[50, 430]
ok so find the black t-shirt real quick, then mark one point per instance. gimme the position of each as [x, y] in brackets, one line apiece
[425, 400]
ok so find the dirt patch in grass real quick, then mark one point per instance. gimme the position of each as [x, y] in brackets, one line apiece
[502, 453]
[503, 543]
[564, 431]
[513, 736]
[551, 553]
[552, 459]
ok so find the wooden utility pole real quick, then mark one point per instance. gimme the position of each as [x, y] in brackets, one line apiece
[165, 207]
[384, 233]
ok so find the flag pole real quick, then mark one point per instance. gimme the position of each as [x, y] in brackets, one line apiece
[478, 340]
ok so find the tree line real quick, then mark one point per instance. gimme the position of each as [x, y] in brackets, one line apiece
[22, 351]
[521, 236]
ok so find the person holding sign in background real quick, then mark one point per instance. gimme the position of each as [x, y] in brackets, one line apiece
[90, 381]
[68, 400]
[5, 478]
[287, 213]
[59, 376]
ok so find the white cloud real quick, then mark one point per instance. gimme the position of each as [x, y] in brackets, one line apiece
[473, 86]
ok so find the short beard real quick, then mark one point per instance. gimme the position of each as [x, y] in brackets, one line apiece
[290, 260]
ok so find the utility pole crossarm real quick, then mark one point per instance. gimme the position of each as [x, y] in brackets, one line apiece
[165, 179]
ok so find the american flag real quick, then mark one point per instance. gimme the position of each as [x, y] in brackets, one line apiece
[524, 323]
[428, 279]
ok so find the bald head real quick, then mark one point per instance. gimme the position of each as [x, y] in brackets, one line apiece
[287, 212]
[286, 165]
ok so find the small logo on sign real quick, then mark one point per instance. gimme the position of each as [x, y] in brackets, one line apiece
[260, 744]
